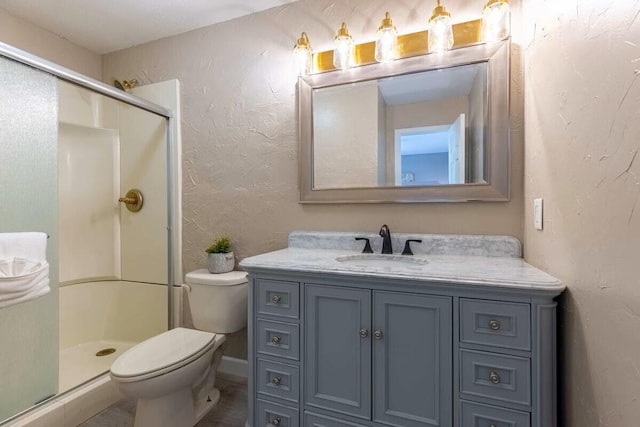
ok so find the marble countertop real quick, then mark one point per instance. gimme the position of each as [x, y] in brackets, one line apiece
[494, 261]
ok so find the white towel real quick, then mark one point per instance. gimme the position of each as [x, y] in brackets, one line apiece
[29, 245]
[24, 271]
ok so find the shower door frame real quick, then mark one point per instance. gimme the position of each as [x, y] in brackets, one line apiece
[170, 129]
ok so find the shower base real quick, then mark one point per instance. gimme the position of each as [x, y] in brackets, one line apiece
[79, 364]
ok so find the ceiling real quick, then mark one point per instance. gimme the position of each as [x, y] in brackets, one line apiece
[430, 85]
[104, 26]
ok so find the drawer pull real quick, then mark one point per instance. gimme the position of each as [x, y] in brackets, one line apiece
[275, 422]
[276, 299]
[276, 381]
[494, 377]
[494, 325]
[492, 425]
[364, 333]
[276, 339]
[377, 334]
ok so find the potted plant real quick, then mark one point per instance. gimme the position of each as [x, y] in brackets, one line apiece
[221, 259]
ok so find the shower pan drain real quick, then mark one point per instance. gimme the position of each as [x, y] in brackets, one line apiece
[106, 352]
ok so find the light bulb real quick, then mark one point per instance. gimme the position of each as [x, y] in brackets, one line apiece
[386, 40]
[343, 54]
[303, 55]
[496, 20]
[440, 30]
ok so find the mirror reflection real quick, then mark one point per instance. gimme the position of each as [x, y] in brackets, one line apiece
[420, 129]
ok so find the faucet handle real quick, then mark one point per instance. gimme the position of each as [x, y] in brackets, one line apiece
[407, 246]
[367, 247]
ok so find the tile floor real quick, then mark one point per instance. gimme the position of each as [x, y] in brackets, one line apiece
[230, 412]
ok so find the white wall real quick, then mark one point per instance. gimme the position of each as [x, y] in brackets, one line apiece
[23, 35]
[582, 141]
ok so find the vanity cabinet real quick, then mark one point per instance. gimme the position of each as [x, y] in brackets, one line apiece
[340, 352]
[462, 334]
[380, 356]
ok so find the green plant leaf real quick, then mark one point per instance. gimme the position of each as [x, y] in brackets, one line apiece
[221, 245]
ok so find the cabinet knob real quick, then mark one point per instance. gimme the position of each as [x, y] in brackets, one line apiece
[275, 422]
[276, 381]
[276, 339]
[494, 377]
[377, 334]
[492, 425]
[494, 325]
[276, 299]
[363, 333]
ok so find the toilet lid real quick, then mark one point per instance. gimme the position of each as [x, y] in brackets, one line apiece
[203, 277]
[162, 353]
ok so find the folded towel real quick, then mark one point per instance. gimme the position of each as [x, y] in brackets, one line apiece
[22, 280]
[29, 245]
[24, 271]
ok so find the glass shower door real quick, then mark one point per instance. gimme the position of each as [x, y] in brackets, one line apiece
[28, 202]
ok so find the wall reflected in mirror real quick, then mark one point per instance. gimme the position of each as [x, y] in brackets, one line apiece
[420, 129]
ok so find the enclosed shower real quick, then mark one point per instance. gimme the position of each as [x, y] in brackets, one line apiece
[71, 148]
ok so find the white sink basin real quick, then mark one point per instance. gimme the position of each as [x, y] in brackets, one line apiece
[380, 260]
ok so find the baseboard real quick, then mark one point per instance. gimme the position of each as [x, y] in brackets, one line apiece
[233, 366]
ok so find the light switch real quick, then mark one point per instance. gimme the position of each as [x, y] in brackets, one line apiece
[537, 214]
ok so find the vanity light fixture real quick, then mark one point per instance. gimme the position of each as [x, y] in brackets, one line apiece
[496, 22]
[344, 52]
[386, 40]
[440, 35]
[303, 55]
[440, 30]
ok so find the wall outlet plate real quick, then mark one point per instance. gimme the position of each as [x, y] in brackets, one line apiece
[537, 214]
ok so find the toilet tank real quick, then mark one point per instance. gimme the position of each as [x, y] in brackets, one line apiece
[218, 302]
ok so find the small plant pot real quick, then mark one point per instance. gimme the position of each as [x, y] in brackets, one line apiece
[221, 262]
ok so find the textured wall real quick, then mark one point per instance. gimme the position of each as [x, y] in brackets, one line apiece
[23, 35]
[582, 143]
[239, 128]
[345, 121]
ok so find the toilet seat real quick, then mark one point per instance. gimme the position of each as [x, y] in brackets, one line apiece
[161, 354]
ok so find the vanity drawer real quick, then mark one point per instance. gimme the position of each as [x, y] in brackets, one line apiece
[271, 414]
[495, 376]
[315, 420]
[501, 324]
[278, 298]
[278, 380]
[477, 415]
[278, 339]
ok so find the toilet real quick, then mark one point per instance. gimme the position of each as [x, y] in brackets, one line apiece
[172, 375]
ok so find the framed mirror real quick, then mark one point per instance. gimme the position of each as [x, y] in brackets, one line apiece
[431, 128]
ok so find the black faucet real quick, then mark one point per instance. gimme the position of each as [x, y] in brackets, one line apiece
[386, 239]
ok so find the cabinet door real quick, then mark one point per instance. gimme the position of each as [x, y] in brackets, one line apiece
[337, 357]
[412, 352]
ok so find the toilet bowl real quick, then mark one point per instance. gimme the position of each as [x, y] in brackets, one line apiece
[172, 375]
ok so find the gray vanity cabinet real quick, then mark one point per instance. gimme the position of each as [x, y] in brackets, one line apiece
[337, 361]
[394, 345]
[341, 339]
[412, 369]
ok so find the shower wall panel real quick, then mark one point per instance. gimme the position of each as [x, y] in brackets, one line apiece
[28, 202]
[88, 196]
[143, 165]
